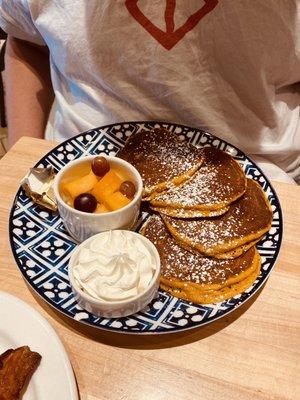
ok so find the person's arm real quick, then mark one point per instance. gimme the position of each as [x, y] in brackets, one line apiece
[28, 89]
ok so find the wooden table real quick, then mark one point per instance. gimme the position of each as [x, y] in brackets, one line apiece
[253, 353]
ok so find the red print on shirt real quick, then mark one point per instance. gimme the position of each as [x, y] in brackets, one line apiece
[170, 37]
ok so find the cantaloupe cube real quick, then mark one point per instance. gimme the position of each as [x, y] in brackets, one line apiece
[101, 209]
[106, 185]
[79, 185]
[116, 200]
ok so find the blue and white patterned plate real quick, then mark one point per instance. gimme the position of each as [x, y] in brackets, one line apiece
[42, 247]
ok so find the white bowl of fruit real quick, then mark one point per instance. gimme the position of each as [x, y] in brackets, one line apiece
[96, 194]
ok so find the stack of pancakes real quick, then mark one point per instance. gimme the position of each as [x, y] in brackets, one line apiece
[207, 216]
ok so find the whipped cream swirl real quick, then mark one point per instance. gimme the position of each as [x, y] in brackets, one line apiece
[114, 266]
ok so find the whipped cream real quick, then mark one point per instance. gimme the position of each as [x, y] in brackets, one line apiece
[116, 265]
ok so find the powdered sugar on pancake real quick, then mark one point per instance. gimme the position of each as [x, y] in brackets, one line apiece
[160, 156]
[220, 180]
[247, 217]
[196, 191]
[178, 263]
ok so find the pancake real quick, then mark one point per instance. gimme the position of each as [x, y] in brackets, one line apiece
[238, 251]
[246, 221]
[161, 159]
[195, 277]
[184, 213]
[190, 293]
[218, 183]
[234, 253]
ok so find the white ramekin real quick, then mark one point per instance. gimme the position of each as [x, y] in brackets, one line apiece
[82, 225]
[115, 309]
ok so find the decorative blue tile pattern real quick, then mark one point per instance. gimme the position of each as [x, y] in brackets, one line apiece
[42, 247]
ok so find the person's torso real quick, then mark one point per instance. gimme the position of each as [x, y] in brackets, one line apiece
[223, 65]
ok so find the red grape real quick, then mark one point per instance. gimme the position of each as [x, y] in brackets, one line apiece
[100, 166]
[127, 188]
[85, 202]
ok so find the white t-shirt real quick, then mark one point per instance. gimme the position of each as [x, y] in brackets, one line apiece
[231, 67]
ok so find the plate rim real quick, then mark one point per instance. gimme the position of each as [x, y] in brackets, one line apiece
[258, 286]
[19, 303]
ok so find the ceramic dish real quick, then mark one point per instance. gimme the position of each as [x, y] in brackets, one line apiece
[120, 308]
[82, 225]
[42, 247]
[22, 325]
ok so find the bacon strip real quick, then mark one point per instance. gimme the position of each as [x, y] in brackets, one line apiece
[16, 369]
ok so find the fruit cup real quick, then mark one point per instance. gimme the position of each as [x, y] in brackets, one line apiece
[81, 225]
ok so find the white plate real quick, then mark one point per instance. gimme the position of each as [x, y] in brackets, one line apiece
[21, 325]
